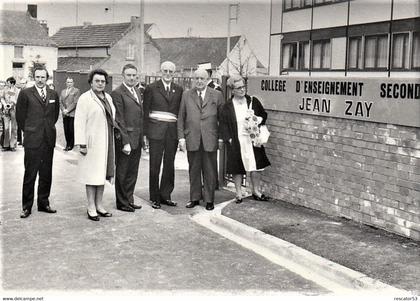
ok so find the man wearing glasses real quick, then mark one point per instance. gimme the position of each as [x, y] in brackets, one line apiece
[161, 105]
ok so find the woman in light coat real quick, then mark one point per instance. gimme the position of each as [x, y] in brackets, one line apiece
[94, 134]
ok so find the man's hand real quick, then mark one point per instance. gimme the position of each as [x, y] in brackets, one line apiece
[126, 149]
[182, 145]
[220, 144]
[145, 143]
[65, 111]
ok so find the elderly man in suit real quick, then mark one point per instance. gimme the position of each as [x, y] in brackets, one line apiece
[68, 102]
[37, 112]
[129, 117]
[198, 133]
[161, 105]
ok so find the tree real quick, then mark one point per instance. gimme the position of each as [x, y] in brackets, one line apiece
[241, 59]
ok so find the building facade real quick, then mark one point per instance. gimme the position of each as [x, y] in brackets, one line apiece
[343, 100]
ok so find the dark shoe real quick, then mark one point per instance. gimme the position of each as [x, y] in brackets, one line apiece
[94, 218]
[261, 198]
[65, 149]
[12, 149]
[209, 206]
[134, 206]
[69, 148]
[47, 209]
[156, 205]
[192, 204]
[104, 214]
[125, 208]
[238, 200]
[19, 143]
[168, 202]
[25, 213]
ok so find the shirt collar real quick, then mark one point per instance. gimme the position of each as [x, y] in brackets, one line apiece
[129, 88]
[165, 85]
[203, 92]
[39, 90]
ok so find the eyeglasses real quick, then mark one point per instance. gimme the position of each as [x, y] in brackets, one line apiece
[168, 71]
[239, 88]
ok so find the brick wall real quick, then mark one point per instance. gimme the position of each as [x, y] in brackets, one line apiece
[368, 172]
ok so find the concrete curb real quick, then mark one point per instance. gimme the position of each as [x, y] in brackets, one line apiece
[328, 274]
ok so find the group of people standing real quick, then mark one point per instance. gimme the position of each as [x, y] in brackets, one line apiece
[110, 131]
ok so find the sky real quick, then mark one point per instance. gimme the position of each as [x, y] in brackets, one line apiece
[175, 18]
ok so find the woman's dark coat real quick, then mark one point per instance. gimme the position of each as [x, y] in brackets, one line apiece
[229, 131]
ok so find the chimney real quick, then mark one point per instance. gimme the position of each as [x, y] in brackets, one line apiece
[86, 24]
[33, 10]
[44, 25]
[135, 21]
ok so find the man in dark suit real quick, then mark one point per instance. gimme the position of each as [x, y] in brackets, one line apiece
[161, 106]
[37, 112]
[198, 133]
[129, 117]
[68, 102]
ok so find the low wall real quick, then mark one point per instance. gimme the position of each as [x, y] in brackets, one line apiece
[365, 171]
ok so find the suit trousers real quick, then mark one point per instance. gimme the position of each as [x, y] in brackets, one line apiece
[159, 149]
[38, 161]
[126, 170]
[68, 124]
[10, 130]
[202, 165]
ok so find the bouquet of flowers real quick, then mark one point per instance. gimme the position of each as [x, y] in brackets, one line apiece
[251, 126]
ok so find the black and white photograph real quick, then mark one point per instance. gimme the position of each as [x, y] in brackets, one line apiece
[184, 149]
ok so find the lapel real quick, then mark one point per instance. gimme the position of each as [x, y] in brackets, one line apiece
[98, 101]
[196, 98]
[37, 96]
[127, 92]
[233, 114]
[206, 97]
[48, 96]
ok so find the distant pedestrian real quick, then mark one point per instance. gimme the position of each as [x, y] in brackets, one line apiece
[161, 105]
[68, 103]
[198, 132]
[20, 85]
[243, 152]
[9, 115]
[210, 82]
[94, 134]
[37, 112]
[129, 117]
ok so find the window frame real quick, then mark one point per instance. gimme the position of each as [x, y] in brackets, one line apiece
[323, 44]
[360, 49]
[15, 47]
[375, 67]
[409, 55]
[413, 34]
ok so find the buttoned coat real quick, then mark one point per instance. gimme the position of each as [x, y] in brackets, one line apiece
[155, 99]
[196, 121]
[91, 129]
[69, 101]
[36, 117]
[129, 115]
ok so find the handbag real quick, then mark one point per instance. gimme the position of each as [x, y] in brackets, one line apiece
[264, 132]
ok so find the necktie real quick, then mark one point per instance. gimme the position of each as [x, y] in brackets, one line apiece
[134, 94]
[43, 95]
[201, 98]
[167, 91]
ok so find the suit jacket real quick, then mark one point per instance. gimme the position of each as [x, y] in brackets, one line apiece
[128, 115]
[69, 101]
[155, 99]
[196, 122]
[37, 118]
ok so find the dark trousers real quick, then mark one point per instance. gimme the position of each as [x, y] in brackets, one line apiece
[165, 148]
[19, 135]
[202, 164]
[68, 124]
[38, 161]
[127, 167]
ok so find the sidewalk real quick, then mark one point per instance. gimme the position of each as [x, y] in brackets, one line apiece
[389, 258]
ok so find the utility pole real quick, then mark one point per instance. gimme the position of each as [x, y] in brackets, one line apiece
[230, 18]
[141, 65]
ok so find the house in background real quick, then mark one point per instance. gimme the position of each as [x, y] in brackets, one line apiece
[23, 41]
[188, 52]
[106, 46]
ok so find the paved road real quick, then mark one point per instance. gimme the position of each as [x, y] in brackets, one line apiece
[149, 250]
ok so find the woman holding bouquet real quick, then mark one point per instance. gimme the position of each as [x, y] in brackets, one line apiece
[241, 119]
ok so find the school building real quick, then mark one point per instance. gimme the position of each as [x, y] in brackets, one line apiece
[343, 98]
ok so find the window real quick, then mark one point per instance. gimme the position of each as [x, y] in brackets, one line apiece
[321, 55]
[130, 51]
[289, 56]
[18, 52]
[355, 53]
[376, 48]
[304, 55]
[416, 50]
[400, 51]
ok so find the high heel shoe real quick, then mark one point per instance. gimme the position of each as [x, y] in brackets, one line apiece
[104, 214]
[92, 217]
[262, 198]
[238, 200]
